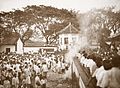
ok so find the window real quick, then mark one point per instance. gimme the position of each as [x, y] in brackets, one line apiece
[73, 39]
[65, 40]
[60, 40]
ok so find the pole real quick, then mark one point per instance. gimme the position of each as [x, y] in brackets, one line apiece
[72, 73]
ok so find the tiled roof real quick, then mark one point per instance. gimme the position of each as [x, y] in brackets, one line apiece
[11, 39]
[70, 29]
[30, 43]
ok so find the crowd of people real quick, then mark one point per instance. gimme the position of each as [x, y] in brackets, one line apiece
[28, 70]
[104, 68]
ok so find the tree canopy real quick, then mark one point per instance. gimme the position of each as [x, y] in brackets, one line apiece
[36, 17]
[97, 24]
[100, 24]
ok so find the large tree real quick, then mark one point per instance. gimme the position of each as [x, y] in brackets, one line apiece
[36, 17]
[43, 16]
[100, 23]
[13, 21]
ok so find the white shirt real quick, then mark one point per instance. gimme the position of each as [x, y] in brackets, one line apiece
[45, 68]
[82, 59]
[43, 81]
[104, 79]
[28, 81]
[92, 66]
[27, 72]
[15, 81]
[37, 79]
[115, 78]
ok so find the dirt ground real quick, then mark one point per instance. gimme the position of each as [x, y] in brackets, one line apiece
[56, 80]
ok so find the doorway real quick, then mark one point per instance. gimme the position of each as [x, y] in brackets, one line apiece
[7, 50]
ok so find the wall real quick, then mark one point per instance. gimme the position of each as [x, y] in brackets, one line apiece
[36, 49]
[75, 69]
[74, 73]
[19, 47]
[3, 48]
[81, 75]
[31, 49]
[70, 40]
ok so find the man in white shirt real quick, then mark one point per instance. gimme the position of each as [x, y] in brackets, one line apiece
[44, 69]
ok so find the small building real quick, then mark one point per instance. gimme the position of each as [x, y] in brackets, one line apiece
[12, 43]
[67, 37]
[35, 46]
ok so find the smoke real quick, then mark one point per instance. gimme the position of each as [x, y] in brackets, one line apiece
[75, 48]
[82, 40]
[80, 44]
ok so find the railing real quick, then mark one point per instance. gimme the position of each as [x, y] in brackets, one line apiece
[83, 75]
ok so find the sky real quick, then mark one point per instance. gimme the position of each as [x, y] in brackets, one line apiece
[77, 5]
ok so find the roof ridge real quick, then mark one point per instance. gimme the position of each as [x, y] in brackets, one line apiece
[70, 26]
[74, 28]
[65, 28]
[69, 29]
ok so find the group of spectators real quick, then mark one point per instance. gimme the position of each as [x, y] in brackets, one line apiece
[105, 69]
[28, 70]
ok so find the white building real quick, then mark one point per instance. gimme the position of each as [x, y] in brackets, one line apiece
[12, 43]
[67, 37]
[34, 47]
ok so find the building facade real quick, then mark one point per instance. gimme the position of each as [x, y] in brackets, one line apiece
[12, 43]
[68, 37]
[34, 47]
